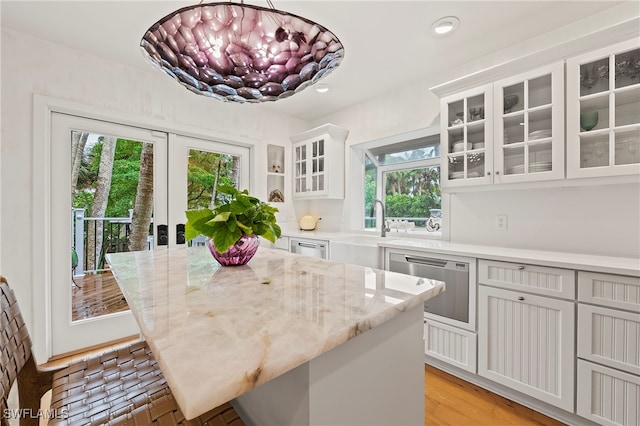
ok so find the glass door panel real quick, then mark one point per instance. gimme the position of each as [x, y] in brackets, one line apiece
[539, 91]
[205, 171]
[594, 77]
[594, 113]
[198, 166]
[513, 129]
[106, 178]
[475, 109]
[514, 163]
[475, 165]
[627, 147]
[455, 113]
[513, 98]
[112, 211]
[540, 158]
[627, 107]
[627, 68]
[606, 86]
[456, 166]
[594, 150]
[540, 124]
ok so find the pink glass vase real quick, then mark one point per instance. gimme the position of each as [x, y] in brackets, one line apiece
[239, 253]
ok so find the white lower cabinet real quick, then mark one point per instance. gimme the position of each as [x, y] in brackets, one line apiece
[610, 337]
[609, 348]
[526, 342]
[450, 344]
[607, 396]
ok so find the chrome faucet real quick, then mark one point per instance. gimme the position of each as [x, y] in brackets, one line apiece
[383, 228]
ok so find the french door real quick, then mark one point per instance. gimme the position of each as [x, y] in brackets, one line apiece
[119, 188]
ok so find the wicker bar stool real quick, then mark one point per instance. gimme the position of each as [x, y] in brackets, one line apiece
[120, 387]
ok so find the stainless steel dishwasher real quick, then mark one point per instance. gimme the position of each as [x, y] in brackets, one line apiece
[310, 248]
[454, 302]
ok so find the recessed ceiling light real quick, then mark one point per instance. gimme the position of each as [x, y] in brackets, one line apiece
[322, 88]
[445, 25]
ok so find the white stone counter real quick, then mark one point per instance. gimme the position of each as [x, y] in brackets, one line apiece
[219, 332]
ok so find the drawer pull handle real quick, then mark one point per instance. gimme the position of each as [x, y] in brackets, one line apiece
[521, 267]
[521, 298]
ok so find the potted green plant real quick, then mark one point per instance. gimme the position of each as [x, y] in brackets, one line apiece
[232, 228]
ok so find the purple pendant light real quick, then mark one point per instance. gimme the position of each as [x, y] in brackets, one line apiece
[241, 53]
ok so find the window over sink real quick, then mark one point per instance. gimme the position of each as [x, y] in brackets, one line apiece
[404, 173]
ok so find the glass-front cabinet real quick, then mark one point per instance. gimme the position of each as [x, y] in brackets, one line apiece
[318, 163]
[529, 126]
[509, 131]
[466, 135]
[603, 112]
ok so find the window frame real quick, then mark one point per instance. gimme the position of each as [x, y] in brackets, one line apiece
[357, 174]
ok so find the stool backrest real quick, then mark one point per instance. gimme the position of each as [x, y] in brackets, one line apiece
[15, 344]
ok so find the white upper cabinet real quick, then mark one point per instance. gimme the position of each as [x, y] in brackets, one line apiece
[318, 163]
[466, 133]
[603, 112]
[529, 126]
[509, 131]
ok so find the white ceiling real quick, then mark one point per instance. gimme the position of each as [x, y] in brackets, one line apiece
[387, 43]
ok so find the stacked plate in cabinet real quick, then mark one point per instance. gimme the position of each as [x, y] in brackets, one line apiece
[460, 175]
[540, 134]
[541, 166]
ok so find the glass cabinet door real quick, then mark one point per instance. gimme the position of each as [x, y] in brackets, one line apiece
[529, 126]
[300, 166]
[309, 165]
[603, 118]
[317, 165]
[466, 119]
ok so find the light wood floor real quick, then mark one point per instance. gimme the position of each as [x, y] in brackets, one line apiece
[450, 401]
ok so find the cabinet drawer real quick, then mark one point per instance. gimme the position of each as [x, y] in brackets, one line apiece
[616, 291]
[450, 344]
[607, 396]
[530, 278]
[609, 337]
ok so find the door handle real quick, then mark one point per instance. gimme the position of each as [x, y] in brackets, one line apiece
[180, 233]
[309, 245]
[163, 235]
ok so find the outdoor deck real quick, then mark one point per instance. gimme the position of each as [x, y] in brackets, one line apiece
[95, 295]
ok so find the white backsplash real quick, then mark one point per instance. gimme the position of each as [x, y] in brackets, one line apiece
[600, 220]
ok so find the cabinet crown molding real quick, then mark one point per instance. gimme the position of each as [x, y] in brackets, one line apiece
[523, 58]
[336, 132]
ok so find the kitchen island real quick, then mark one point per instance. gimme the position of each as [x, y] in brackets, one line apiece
[288, 338]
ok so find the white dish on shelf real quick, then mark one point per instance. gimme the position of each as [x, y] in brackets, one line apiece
[543, 166]
[456, 175]
[459, 146]
[478, 145]
[540, 134]
[473, 174]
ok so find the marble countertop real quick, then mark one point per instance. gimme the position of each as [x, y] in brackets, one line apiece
[585, 262]
[218, 332]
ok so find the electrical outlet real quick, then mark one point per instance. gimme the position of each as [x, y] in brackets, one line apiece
[501, 222]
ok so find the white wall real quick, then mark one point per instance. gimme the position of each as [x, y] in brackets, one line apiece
[31, 65]
[602, 220]
[595, 219]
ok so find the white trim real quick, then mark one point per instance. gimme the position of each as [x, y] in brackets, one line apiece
[358, 151]
[596, 31]
[41, 244]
